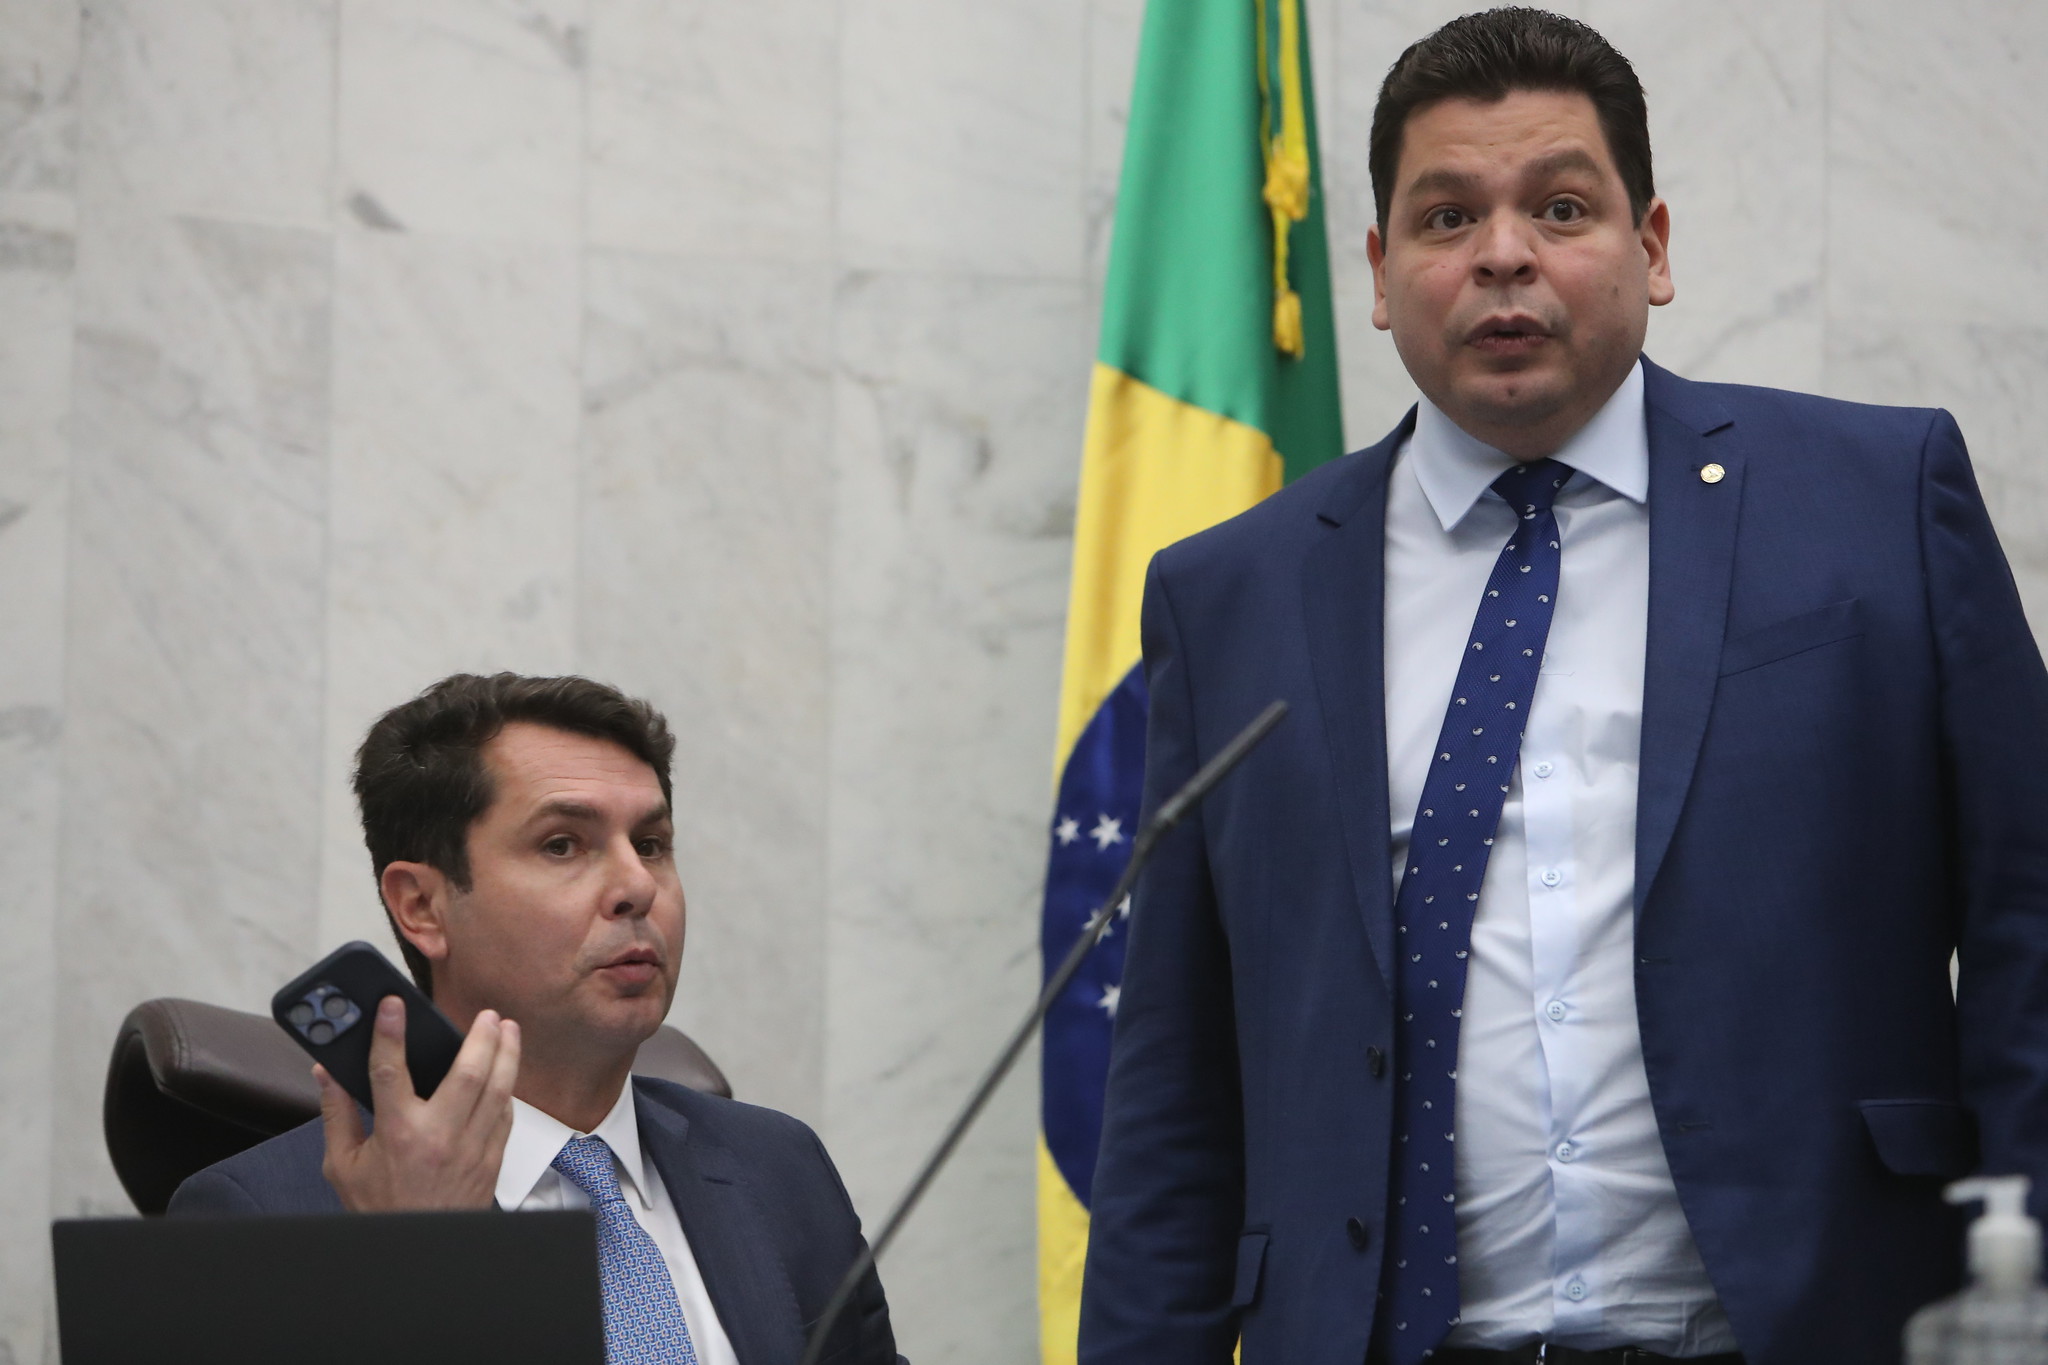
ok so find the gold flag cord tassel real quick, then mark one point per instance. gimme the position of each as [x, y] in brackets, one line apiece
[1287, 174]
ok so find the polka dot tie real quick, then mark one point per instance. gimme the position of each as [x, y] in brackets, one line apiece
[1469, 775]
[643, 1320]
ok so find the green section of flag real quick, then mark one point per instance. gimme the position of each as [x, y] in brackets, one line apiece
[1188, 305]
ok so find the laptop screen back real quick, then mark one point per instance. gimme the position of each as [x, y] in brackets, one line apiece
[493, 1288]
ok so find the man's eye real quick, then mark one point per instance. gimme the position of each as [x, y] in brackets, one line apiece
[1445, 219]
[1562, 211]
[561, 846]
[653, 846]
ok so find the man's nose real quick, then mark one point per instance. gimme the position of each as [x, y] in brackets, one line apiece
[1504, 249]
[633, 885]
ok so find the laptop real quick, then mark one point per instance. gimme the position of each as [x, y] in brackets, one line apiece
[344, 1289]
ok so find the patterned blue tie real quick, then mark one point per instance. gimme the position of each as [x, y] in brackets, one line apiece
[643, 1320]
[1472, 768]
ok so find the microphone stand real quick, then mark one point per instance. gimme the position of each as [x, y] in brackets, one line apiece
[1170, 813]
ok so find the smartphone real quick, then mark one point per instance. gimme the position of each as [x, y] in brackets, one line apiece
[330, 1009]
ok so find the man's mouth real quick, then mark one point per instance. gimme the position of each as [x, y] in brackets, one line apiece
[1507, 336]
[635, 964]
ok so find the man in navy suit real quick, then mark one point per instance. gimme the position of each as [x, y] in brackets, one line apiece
[522, 838]
[1568, 978]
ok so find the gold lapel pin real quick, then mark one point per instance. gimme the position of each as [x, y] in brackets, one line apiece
[1712, 473]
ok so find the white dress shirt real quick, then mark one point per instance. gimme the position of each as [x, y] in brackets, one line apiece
[1569, 1226]
[527, 1181]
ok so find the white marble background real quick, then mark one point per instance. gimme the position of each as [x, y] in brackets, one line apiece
[738, 354]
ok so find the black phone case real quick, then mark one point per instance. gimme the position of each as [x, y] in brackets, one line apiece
[340, 992]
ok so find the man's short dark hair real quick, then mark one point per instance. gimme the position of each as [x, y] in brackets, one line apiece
[420, 775]
[1486, 55]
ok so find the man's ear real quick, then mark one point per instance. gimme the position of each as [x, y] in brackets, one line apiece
[1376, 254]
[416, 894]
[1656, 235]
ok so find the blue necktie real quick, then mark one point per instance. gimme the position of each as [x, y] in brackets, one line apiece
[643, 1320]
[1469, 775]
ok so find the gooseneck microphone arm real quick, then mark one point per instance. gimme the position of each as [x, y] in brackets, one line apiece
[1170, 813]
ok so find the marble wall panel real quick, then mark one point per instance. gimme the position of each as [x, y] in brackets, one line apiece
[1989, 376]
[704, 572]
[38, 85]
[462, 116]
[958, 421]
[712, 127]
[452, 496]
[35, 389]
[38, 111]
[222, 108]
[961, 141]
[193, 665]
[1938, 170]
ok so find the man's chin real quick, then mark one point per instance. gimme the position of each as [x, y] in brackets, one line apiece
[1508, 399]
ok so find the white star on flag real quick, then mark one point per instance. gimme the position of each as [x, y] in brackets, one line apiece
[1110, 996]
[1123, 907]
[1106, 832]
[1067, 830]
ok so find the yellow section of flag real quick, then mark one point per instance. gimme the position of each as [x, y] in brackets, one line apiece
[1154, 470]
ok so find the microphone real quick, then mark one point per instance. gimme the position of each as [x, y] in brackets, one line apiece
[1170, 813]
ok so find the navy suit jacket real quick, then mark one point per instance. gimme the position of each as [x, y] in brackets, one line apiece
[768, 1220]
[1844, 777]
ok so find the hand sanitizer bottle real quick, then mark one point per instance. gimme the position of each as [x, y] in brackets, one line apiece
[2002, 1317]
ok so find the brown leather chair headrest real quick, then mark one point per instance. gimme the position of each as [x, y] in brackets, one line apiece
[191, 1084]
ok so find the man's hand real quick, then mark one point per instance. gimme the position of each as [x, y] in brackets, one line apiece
[438, 1153]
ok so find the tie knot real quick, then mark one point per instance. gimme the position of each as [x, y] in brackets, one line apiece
[1531, 488]
[586, 1162]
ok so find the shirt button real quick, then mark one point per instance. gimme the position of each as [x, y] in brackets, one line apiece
[1565, 1151]
[1543, 769]
[1556, 1010]
[1575, 1289]
[1551, 876]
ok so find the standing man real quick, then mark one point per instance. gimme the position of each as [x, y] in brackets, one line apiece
[1567, 980]
[522, 835]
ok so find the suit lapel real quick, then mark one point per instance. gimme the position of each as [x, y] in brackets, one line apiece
[742, 1272]
[1343, 599]
[1692, 557]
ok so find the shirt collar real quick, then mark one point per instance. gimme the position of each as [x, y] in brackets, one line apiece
[1455, 468]
[538, 1138]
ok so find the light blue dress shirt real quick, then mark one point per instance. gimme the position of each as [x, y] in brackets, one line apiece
[1569, 1226]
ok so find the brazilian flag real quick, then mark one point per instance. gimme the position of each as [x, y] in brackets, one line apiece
[1216, 381]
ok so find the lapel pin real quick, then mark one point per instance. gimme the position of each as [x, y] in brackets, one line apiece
[1712, 473]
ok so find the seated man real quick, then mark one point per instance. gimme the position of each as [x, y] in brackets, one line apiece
[522, 838]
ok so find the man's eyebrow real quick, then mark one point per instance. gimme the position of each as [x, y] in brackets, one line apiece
[564, 807]
[1443, 180]
[571, 809]
[1557, 163]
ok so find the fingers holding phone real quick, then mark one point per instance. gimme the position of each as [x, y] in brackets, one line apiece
[442, 1152]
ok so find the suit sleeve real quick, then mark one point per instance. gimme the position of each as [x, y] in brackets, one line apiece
[1994, 717]
[863, 1335]
[1168, 1197]
[211, 1192]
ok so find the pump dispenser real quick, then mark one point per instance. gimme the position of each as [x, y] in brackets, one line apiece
[2002, 1317]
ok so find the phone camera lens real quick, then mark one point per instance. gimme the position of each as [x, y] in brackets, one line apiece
[302, 1014]
[334, 1006]
[321, 1032]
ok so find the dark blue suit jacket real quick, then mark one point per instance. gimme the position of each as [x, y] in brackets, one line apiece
[1844, 776]
[768, 1220]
